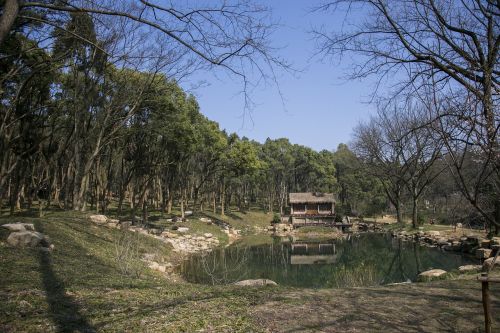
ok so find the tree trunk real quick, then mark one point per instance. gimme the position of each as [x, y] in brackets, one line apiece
[414, 217]
[214, 202]
[10, 12]
[222, 198]
[399, 215]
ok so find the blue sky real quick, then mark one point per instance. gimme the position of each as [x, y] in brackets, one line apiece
[321, 107]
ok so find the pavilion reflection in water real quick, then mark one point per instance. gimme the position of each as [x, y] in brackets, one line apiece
[313, 253]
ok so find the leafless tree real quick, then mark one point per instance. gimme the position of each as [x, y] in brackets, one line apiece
[401, 152]
[233, 35]
[377, 144]
[446, 46]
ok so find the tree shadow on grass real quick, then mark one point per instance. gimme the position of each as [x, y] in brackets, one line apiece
[65, 312]
[63, 309]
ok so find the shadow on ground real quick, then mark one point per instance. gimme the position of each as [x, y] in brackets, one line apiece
[64, 310]
[449, 306]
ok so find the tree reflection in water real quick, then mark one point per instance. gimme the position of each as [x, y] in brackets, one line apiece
[361, 260]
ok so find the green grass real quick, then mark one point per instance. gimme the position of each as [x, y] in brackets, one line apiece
[81, 286]
[318, 230]
[244, 221]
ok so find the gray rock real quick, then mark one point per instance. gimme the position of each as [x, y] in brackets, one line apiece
[125, 225]
[483, 253]
[183, 229]
[208, 235]
[169, 234]
[485, 243]
[27, 239]
[431, 275]
[19, 226]
[256, 282]
[489, 262]
[469, 268]
[473, 240]
[443, 241]
[99, 219]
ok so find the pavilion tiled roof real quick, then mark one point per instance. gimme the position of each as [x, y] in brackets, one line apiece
[311, 197]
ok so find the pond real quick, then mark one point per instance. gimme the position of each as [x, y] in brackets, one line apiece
[361, 260]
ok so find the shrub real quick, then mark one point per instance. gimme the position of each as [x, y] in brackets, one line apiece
[127, 254]
[276, 218]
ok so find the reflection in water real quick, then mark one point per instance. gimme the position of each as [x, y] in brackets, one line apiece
[312, 253]
[363, 260]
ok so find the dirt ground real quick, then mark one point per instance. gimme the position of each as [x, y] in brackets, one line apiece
[444, 306]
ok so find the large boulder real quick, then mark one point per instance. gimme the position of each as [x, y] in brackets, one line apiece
[27, 239]
[443, 241]
[483, 253]
[489, 262]
[208, 235]
[99, 219]
[475, 240]
[485, 243]
[432, 274]
[182, 229]
[256, 282]
[19, 226]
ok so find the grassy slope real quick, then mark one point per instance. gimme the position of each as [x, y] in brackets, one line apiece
[80, 287]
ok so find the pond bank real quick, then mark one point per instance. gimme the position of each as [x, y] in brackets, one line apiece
[84, 274]
[363, 259]
[479, 246]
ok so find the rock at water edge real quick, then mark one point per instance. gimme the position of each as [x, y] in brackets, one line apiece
[483, 253]
[256, 282]
[489, 262]
[431, 275]
[469, 268]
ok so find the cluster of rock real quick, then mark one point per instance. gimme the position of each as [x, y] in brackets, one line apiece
[157, 264]
[104, 220]
[190, 243]
[482, 248]
[24, 235]
[280, 228]
[368, 227]
[181, 241]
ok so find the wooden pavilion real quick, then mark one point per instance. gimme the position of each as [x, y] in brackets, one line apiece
[312, 209]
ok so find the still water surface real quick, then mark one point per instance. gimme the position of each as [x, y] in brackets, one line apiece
[361, 260]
